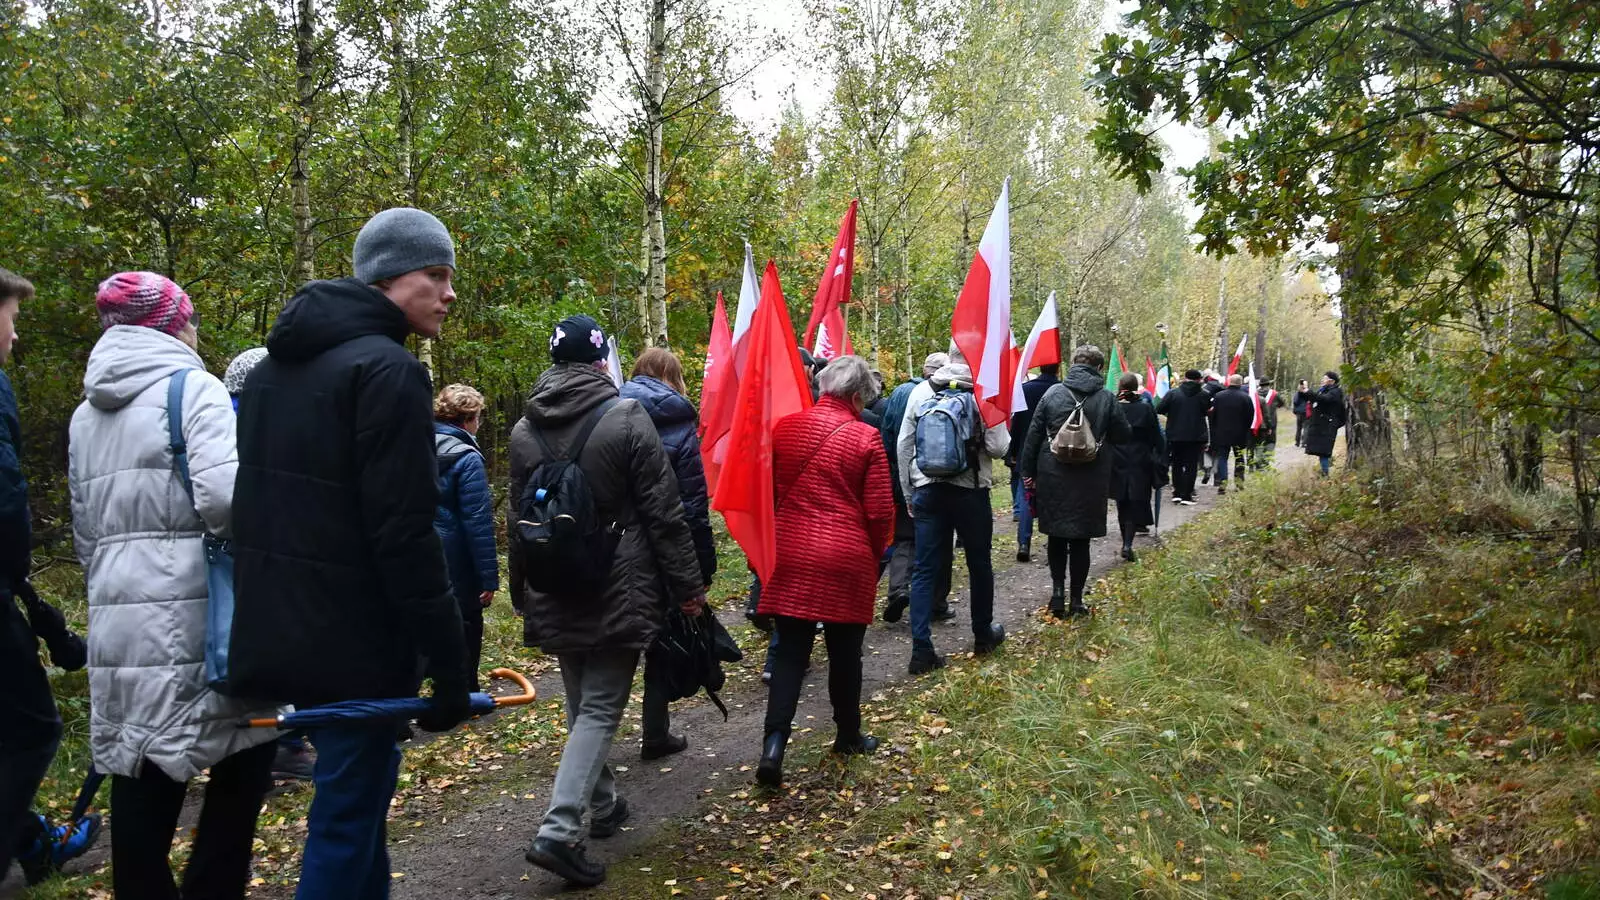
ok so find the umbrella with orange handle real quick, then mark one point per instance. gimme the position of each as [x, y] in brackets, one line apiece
[397, 709]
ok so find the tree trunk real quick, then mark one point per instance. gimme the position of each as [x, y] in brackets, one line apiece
[1531, 476]
[1261, 327]
[402, 68]
[300, 164]
[653, 293]
[1219, 360]
[1368, 437]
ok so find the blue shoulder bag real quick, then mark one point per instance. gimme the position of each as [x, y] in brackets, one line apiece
[219, 553]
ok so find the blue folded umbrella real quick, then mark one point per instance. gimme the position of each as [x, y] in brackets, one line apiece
[397, 709]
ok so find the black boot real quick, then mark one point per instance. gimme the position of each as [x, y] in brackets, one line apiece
[861, 745]
[565, 860]
[1076, 608]
[1128, 554]
[1058, 599]
[769, 771]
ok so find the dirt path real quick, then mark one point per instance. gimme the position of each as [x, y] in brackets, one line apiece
[477, 852]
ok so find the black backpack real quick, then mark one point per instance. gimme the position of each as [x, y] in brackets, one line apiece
[566, 550]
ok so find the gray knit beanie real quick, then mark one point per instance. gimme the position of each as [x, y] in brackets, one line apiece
[401, 240]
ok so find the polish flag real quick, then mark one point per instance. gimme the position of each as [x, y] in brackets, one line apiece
[981, 325]
[774, 386]
[1238, 355]
[718, 352]
[1043, 348]
[1255, 399]
[825, 333]
[718, 421]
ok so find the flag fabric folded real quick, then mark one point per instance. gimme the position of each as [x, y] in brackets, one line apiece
[981, 324]
[826, 334]
[1149, 389]
[1114, 368]
[718, 352]
[1164, 374]
[614, 361]
[718, 420]
[774, 385]
[1043, 348]
[1238, 355]
[1255, 401]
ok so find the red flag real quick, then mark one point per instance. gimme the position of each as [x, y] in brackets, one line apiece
[774, 385]
[1122, 361]
[981, 325]
[825, 333]
[1233, 365]
[717, 421]
[1254, 387]
[1149, 376]
[719, 353]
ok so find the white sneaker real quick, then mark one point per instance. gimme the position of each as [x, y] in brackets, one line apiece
[1187, 502]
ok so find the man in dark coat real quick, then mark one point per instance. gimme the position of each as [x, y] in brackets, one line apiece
[1302, 410]
[1265, 445]
[340, 579]
[1232, 414]
[1033, 391]
[1328, 415]
[1069, 499]
[598, 639]
[1187, 408]
[1208, 460]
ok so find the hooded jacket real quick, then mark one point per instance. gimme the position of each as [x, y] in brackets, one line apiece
[465, 516]
[676, 420]
[996, 440]
[140, 540]
[1187, 409]
[633, 486]
[1328, 415]
[1070, 500]
[340, 580]
[26, 705]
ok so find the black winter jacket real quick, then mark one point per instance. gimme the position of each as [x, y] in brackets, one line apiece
[1137, 464]
[1232, 414]
[27, 708]
[676, 421]
[1187, 408]
[339, 578]
[1070, 500]
[1032, 392]
[633, 485]
[1328, 415]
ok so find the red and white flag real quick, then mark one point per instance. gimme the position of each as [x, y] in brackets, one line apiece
[1043, 348]
[981, 325]
[825, 333]
[723, 382]
[718, 352]
[1238, 355]
[1255, 401]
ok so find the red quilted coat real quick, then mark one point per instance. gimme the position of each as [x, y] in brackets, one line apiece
[835, 515]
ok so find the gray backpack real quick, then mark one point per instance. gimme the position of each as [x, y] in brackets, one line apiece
[1074, 442]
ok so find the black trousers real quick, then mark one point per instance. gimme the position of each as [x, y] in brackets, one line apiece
[1299, 430]
[1074, 551]
[472, 632]
[789, 661]
[146, 812]
[1185, 467]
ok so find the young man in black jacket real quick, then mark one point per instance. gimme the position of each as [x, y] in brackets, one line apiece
[340, 580]
[1186, 407]
[1232, 414]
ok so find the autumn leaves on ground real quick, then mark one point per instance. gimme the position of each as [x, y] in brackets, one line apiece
[1347, 688]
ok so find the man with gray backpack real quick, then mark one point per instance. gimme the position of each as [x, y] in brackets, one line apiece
[944, 454]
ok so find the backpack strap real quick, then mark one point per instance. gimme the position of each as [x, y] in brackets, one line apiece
[576, 447]
[180, 447]
[806, 466]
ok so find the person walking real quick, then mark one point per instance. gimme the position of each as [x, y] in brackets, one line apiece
[1070, 498]
[464, 518]
[1136, 463]
[341, 587]
[903, 554]
[1265, 445]
[1328, 415]
[657, 384]
[141, 505]
[1232, 414]
[1033, 390]
[950, 501]
[835, 516]
[1208, 459]
[1187, 408]
[1303, 398]
[574, 413]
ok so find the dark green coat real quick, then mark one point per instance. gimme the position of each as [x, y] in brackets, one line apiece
[1070, 500]
[632, 481]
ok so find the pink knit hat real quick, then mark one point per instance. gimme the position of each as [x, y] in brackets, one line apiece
[144, 299]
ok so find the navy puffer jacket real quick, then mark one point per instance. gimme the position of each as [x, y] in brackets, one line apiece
[676, 421]
[465, 517]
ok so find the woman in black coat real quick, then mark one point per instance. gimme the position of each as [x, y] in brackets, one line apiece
[1069, 500]
[1134, 464]
[1327, 417]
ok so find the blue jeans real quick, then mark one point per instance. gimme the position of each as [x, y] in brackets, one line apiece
[938, 510]
[1019, 501]
[347, 853]
[1222, 452]
[1326, 462]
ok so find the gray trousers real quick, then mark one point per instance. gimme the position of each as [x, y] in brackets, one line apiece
[597, 685]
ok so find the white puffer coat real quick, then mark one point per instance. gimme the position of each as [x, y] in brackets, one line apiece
[140, 541]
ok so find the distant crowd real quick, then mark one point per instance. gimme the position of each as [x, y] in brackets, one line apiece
[315, 531]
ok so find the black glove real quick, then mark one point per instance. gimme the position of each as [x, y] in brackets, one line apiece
[67, 650]
[451, 705]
